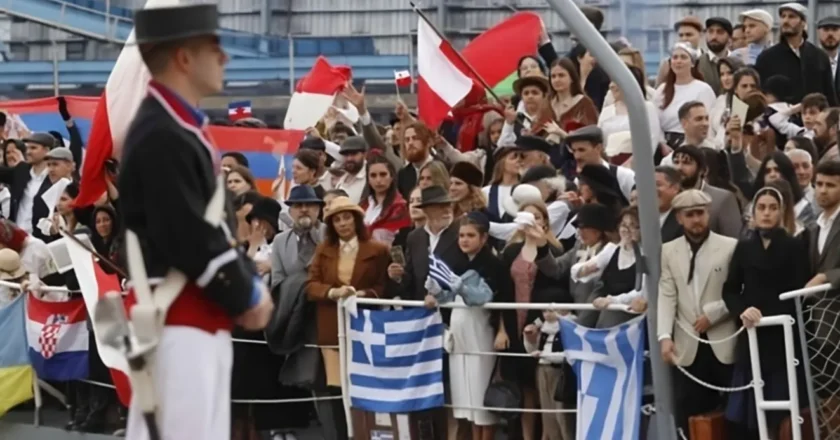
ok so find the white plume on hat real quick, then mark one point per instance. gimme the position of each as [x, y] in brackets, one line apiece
[521, 195]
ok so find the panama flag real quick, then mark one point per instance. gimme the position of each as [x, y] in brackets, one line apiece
[608, 365]
[315, 94]
[124, 91]
[58, 338]
[95, 283]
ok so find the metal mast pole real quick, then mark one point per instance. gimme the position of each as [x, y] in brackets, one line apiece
[648, 212]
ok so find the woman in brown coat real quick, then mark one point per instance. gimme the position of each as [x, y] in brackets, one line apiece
[347, 263]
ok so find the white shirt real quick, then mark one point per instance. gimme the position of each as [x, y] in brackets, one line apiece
[434, 238]
[558, 212]
[27, 202]
[663, 216]
[36, 258]
[825, 224]
[696, 90]
[833, 61]
[354, 186]
[350, 246]
[373, 211]
[611, 122]
[503, 192]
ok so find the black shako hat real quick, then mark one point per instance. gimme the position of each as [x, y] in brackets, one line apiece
[160, 25]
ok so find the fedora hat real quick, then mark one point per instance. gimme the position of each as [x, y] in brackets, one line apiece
[533, 80]
[434, 195]
[341, 204]
[10, 266]
[160, 25]
[303, 194]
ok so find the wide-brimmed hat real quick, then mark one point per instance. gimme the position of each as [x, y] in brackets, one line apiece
[341, 204]
[302, 194]
[266, 209]
[159, 25]
[10, 266]
[533, 80]
[601, 180]
[434, 195]
[467, 172]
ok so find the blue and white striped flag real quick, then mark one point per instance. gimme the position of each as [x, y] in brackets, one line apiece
[440, 272]
[608, 364]
[396, 363]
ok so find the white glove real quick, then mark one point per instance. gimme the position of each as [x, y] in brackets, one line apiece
[455, 282]
[432, 286]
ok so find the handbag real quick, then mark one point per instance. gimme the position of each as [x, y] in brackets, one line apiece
[503, 393]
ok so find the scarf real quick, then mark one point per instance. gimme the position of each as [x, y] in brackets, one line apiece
[11, 236]
[695, 249]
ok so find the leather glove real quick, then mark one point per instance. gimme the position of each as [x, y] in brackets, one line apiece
[62, 108]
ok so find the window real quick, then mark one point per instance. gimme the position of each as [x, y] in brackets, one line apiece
[75, 50]
[18, 52]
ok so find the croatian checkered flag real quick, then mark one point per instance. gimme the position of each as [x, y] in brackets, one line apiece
[440, 272]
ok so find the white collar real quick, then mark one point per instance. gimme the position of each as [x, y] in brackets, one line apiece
[429, 158]
[826, 222]
[350, 245]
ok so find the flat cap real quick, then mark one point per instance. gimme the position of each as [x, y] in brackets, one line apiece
[720, 21]
[590, 133]
[757, 15]
[60, 153]
[832, 21]
[353, 144]
[44, 139]
[689, 21]
[533, 143]
[691, 198]
[313, 143]
[796, 8]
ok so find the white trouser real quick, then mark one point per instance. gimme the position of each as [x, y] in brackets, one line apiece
[192, 382]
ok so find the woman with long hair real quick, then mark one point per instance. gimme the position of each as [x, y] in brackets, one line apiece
[683, 83]
[614, 117]
[568, 101]
[777, 166]
[632, 57]
[386, 212]
[505, 177]
[433, 173]
[240, 180]
[532, 277]
[719, 113]
[745, 82]
[764, 264]
[465, 189]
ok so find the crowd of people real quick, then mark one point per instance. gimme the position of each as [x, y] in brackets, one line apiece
[537, 204]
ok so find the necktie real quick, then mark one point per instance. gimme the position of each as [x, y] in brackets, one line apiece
[306, 248]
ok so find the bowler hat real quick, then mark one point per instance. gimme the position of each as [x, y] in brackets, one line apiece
[434, 195]
[266, 209]
[595, 216]
[160, 25]
[303, 194]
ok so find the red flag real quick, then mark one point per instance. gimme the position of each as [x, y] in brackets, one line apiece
[315, 93]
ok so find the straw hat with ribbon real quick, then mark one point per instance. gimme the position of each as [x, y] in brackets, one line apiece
[341, 204]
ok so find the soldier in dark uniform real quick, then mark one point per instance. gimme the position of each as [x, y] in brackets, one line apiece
[170, 172]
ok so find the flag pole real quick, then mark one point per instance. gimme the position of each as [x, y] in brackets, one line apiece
[397, 87]
[469, 66]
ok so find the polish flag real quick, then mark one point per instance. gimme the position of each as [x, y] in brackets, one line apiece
[315, 94]
[125, 89]
[441, 85]
[95, 283]
[402, 78]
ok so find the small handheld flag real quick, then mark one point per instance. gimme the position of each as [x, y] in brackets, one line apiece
[402, 78]
[440, 272]
[239, 110]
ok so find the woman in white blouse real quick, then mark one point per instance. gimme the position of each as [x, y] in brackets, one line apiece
[505, 176]
[614, 117]
[682, 84]
[726, 69]
[745, 81]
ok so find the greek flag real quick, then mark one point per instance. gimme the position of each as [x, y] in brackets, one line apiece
[396, 362]
[440, 272]
[608, 364]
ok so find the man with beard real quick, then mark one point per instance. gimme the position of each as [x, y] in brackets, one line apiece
[718, 38]
[292, 323]
[723, 209]
[353, 182]
[807, 67]
[694, 270]
[419, 141]
[825, 134]
[828, 30]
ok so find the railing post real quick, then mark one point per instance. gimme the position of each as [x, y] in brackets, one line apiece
[806, 364]
[343, 352]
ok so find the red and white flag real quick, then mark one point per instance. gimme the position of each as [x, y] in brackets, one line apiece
[441, 84]
[402, 78]
[315, 93]
[125, 89]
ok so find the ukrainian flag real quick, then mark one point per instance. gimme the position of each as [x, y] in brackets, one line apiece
[16, 374]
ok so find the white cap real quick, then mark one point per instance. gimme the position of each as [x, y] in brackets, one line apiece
[758, 15]
[795, 7]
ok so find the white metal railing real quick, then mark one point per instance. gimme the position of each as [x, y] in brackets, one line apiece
[792, 404]
[805, 291]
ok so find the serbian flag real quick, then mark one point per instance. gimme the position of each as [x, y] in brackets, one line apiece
[441, 85]
[58, 338]
[125, 89]
[239, 110]
[95, 283]
[315, 93]
[402, 78]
